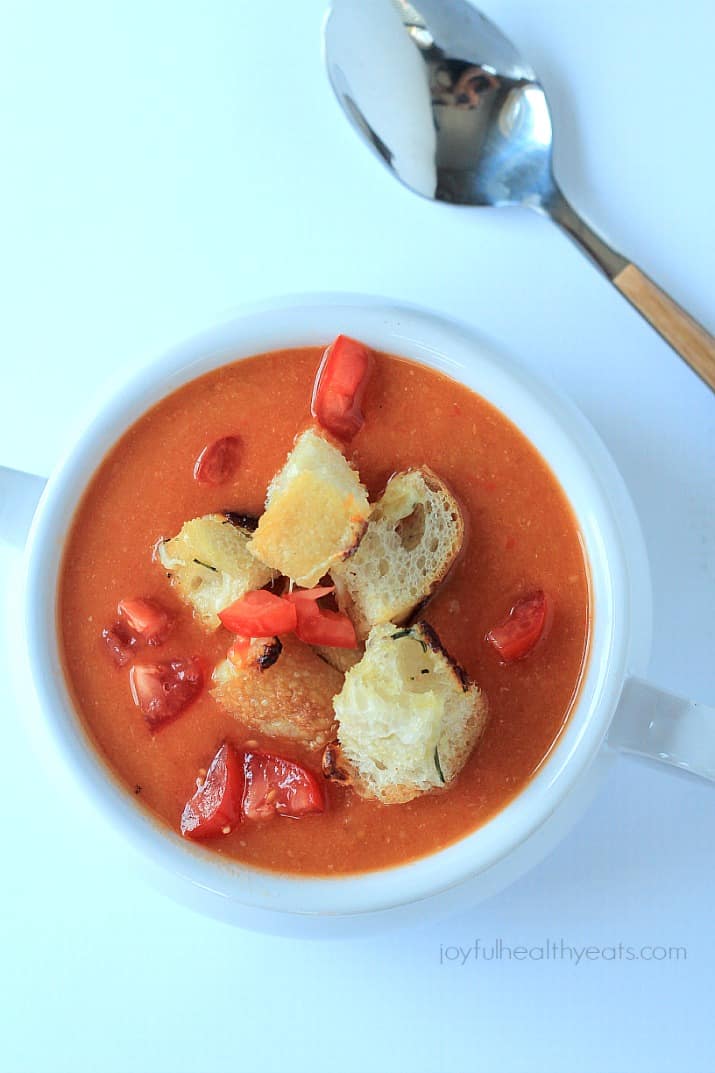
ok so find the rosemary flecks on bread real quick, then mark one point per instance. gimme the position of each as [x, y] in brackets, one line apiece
[408, 716]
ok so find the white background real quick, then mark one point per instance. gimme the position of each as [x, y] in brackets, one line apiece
[162, 162]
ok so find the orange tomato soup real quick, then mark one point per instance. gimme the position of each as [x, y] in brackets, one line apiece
[521, 536]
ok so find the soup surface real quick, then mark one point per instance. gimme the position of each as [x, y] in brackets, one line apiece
[521, 536]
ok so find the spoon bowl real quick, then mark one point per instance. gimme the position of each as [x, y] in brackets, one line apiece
[489, 116]
[450, 107]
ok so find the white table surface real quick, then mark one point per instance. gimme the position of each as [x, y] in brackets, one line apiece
[163, 162]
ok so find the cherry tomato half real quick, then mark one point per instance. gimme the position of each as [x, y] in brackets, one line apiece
[120, 643]
[518, 634]
[340, 385]
[146, 619]
[276, 786]
[216, 805]
[218, 461]
[163, 690]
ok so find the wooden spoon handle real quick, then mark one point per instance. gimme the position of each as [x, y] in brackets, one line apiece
[694, 344]
[688, 338]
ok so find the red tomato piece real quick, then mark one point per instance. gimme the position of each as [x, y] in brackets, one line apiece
[274, 785]
[518, 634]
[259, 614]
[340, 385]
[317, 625]
[120, 643]
[216, 805]
[321, 626]
[309, 594]
[146, 619]
[218, 461]
[164, 690]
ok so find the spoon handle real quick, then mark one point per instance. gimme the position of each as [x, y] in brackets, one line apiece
[690, 340]
[694, 344]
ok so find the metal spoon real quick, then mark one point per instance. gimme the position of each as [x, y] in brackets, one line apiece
[457, 115]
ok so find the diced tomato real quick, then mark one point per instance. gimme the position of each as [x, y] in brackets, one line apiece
[259, 614]
[296, 595]
[274, 785]
[318, 625]
[527, 622]
[340, 385]
[216, 805]
[120, 643]
[164, 690]
[146, 619]
[218, 461]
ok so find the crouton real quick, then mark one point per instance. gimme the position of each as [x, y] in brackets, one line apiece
[340, 658]
[414, 534]
[316, 510]
[210, 566]
[292, 699]
[408, 716]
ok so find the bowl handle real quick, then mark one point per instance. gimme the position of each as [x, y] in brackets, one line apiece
[19, 495]
[660, 726]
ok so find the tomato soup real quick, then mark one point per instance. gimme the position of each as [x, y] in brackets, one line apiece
[521, 536]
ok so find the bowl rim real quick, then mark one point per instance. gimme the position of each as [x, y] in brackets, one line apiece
[615, 552]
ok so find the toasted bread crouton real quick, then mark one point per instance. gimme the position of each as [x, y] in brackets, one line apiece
[210, 566]
[414, 534]
[316, 510]
[408, 716]
[340, 658]
[292, 699]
